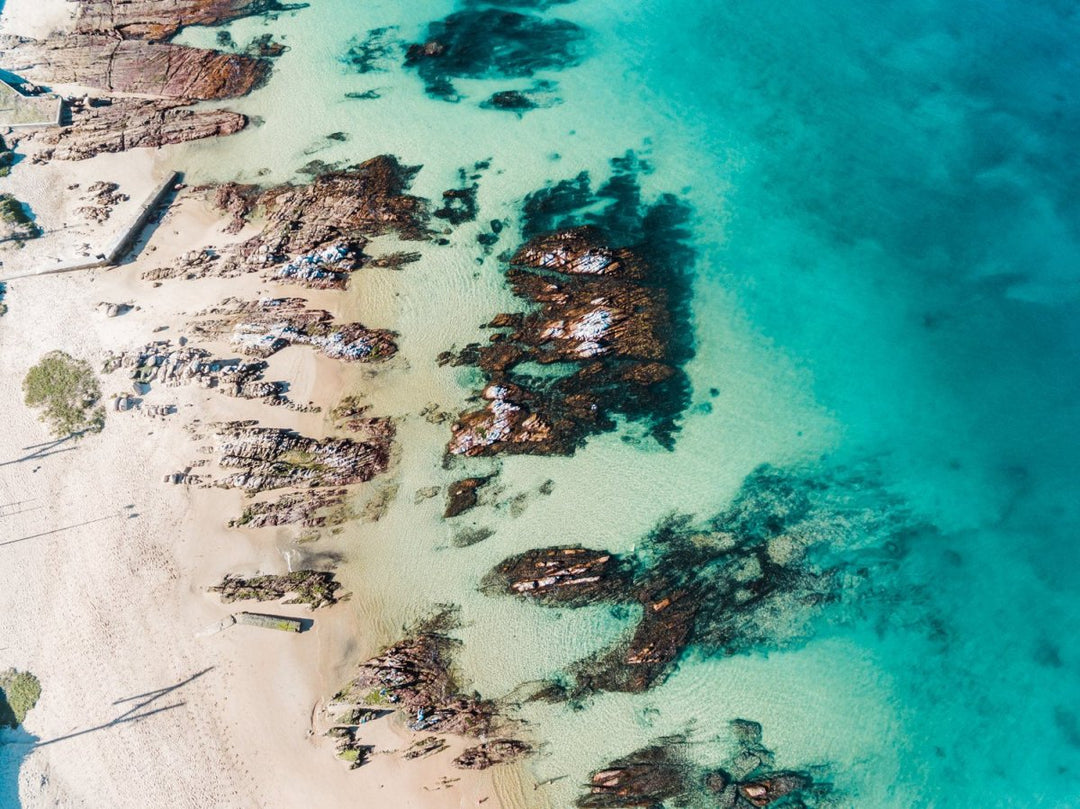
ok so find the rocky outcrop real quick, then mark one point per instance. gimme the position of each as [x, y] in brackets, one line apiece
[663, 772]
[107, 62]
[414, 676]
[310, 509]
[488, 754]
[461, 495]
[272, 458]
[158, 20]
[596, 308]
[339, 208]
[561, 576]
[264, 327]
[127, 123]
[312, 587]
[162, 362]
[645, 778]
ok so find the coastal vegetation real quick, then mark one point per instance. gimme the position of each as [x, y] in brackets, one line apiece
[7, 158]
[17, 222]
[68, 393]
[19, 692]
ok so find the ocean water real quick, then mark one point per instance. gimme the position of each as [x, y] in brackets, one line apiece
[886, 290]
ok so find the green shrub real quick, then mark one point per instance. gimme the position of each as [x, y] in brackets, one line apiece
[19, 692]
[68, 391]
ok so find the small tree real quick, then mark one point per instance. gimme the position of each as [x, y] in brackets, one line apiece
[68, 391]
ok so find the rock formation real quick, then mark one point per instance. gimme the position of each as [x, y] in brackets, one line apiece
[561, 576]
[461, 495]
[107, 62]
[310, 509]
[644, 778]
[595, 309]
[488, 754]
[312, 587]
[414, 676]
[272, 458]
[266, 326]
[115, 125]
[662, 772]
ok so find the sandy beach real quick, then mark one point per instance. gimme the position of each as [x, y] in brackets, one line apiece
[104, 587]
[103, 584]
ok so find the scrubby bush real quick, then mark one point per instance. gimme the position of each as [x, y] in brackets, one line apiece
[19, 692]
[68, 392]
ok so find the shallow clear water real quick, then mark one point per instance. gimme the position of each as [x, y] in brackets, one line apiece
[887, 278]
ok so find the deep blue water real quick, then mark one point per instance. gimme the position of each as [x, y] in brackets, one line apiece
[905, 225]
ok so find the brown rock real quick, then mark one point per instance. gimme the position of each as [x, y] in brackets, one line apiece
[564, 576]
[461, 495]
[644, 778]
[488, 754]
[107, 62]
[766, 789]
[127, 123]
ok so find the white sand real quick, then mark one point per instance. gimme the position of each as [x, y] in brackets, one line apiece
[103, 568]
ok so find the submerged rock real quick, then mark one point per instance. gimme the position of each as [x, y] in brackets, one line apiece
[461, 495]
[644, 778]
[492, 43]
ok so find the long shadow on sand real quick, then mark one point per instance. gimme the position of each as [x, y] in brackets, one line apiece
[137, 711]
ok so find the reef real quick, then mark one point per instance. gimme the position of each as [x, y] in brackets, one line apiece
[607, 330]
[272, 458]
[114, 125]
[414, 676]
[263, 327]
[312, 587]
[662, 773]
[480, 43]
[756, 576]
[646, 778]
[539, 94]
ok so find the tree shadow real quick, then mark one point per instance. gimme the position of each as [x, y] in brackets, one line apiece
[137, 712]
[57, 530]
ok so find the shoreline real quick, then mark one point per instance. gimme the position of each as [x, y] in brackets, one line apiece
[131, 585]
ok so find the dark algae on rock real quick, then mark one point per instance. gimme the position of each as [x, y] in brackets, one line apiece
[793, 546]
[488, 42]
[664, 774]
[606, 279]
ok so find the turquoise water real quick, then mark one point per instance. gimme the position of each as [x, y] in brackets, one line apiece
[886, 284]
